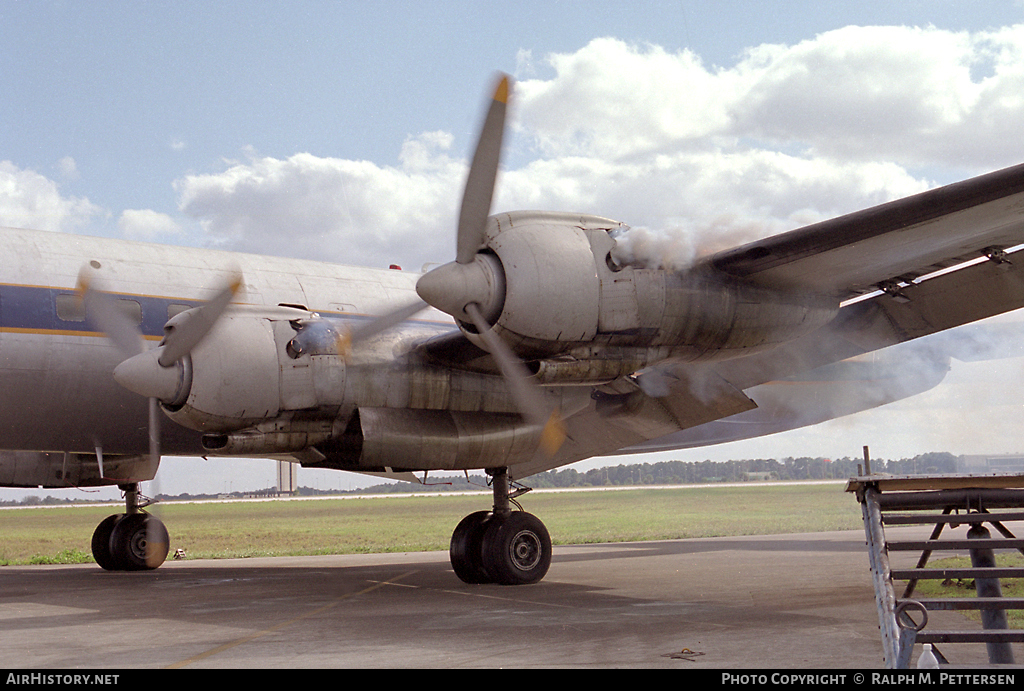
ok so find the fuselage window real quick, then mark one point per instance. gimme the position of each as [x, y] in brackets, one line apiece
[131, 309]
[70, 308]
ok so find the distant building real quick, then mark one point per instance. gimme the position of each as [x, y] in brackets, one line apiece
[1006, 463]
[287, 477]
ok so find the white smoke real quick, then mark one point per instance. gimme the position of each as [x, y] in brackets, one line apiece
[679, 247]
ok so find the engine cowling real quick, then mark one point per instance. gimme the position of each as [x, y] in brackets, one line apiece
[535, 281]
[234, 381]
[247, 370]
[548, 285]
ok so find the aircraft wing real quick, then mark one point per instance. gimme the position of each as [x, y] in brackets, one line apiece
[891, 244]
[892, 249]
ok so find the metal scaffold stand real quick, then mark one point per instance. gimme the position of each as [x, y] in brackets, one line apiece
[945, 502]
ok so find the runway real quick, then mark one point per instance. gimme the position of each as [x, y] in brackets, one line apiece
[768, 602]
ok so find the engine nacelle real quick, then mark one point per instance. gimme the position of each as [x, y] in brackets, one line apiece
[255, 364]
[548, 285]
[553, 290]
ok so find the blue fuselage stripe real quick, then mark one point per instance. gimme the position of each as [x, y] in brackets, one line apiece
[33, 309]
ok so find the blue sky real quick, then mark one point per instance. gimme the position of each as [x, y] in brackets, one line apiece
[209, 123]
[138, 95]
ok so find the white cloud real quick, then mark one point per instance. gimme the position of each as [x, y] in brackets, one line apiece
[147, 225]
[705, 157]
[67, 168]
[913, 96]
[354, 212]
[708, 158]
[31, 200]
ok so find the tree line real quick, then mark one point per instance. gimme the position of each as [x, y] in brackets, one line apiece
[634, 474]
[690, 472]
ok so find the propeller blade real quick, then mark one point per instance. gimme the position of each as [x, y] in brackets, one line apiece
[376, 326]
[102, 309]
[157, 541]
[483, 171]
[154, 431]
[528, 398]
[187, 333]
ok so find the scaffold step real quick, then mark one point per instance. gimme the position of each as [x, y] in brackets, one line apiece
[986, 636]
[936, 545]
[957, 603]
[931, 574]
[959, 518]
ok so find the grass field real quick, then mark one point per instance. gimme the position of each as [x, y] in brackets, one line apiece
[1011, 587]
[408, 524]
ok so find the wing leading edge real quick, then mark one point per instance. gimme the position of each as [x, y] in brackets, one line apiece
[896, 242]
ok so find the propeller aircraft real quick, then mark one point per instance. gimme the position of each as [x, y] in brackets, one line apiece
[536, 347]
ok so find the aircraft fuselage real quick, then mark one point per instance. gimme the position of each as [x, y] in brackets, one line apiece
[58, 393]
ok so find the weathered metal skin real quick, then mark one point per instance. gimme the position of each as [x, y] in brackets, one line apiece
[241, 373]
[58, 470]
[381, 408]
[564, 294]
[639, 339]
[268, 380]
[397, 439]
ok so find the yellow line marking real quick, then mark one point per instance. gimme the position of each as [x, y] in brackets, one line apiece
[259, 634]
[62, 332]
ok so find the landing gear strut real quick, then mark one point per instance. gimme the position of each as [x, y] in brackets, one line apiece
[131, 541]
[500, 546]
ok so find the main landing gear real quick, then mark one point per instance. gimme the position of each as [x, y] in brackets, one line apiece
[500, 546]
[131, 541]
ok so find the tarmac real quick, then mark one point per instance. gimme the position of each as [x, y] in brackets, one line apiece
[759, 602]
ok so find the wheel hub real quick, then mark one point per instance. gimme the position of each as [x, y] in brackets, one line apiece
[525, 550]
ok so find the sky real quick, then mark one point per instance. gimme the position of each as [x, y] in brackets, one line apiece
[340, 131]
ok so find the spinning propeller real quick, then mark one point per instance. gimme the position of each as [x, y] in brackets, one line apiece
[472, 288]
[153, 373]
[137, 540]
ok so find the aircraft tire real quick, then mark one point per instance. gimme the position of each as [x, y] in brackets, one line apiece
[139, 542]
[101, 542]
[466, 549]
[516, 549]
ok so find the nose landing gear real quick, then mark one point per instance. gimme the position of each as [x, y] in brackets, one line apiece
[500, 546]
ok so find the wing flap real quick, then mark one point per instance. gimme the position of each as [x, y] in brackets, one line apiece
[975, 292]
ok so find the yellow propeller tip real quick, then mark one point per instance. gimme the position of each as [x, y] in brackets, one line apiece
[501, 93]
[344, 345]
[553, 435]
[82, 284]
